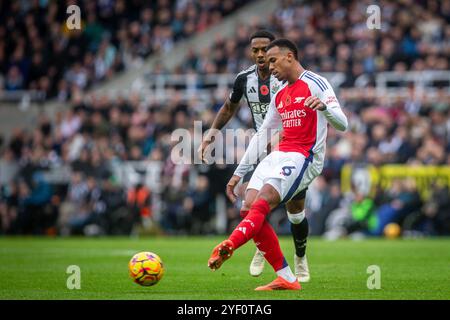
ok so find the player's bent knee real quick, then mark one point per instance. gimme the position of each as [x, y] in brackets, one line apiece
[296, 218]
[270, 195]
[261, 205]
[245, 209]
[250, 196]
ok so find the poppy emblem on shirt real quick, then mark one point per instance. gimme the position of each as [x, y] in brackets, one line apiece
[288, 100]
[264, 90]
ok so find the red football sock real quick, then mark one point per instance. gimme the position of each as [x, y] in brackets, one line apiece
[252, 223]
[267, 242]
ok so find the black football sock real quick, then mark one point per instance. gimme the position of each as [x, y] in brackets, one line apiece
[300, 234]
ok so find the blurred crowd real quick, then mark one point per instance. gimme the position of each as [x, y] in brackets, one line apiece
[39, 52]
[333, 36]
[87, 142]
[415, 132]
[98, 134]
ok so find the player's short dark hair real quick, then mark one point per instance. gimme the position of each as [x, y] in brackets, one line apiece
[284, 43]
[262, 34]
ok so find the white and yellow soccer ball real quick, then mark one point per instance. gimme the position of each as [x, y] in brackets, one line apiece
[146, 268]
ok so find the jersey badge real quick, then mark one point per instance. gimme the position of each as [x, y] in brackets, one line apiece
[275, 88]
[298, 99]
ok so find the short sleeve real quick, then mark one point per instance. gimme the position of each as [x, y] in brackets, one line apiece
[238, 89]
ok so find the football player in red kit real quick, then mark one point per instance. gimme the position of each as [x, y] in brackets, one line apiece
[302, 108]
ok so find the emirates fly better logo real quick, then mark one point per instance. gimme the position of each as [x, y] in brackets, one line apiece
[292, 118]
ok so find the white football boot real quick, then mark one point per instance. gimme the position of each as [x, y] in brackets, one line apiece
[257, 265]
[301, 268]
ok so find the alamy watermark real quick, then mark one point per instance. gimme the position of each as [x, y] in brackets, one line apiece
[227, 146]
[374, 280]
[374, 17]
[73, 22]
[74, 278]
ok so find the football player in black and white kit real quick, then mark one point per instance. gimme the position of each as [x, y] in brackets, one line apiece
[258, 87]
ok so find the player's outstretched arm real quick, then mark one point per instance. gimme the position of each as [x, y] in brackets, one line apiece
[226, 112]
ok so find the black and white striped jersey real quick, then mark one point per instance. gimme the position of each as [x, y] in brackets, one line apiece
[257, 92]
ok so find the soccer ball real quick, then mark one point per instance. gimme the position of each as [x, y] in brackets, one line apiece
[146, 268]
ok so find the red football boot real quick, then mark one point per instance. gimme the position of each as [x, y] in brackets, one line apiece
[280, 284]
[220, 254]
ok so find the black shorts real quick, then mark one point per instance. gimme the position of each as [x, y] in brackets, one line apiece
[301, 195]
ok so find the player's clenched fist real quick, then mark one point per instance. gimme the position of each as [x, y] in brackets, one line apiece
[230, 188]
[315, 103]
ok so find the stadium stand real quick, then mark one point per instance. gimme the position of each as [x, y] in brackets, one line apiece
[81, 172]
[114, 35]
[332, 36]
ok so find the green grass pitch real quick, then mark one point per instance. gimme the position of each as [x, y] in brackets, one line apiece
[35, 268]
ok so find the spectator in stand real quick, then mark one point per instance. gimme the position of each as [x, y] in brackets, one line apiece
[139, 204]
[198, 204]
[140, 130]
